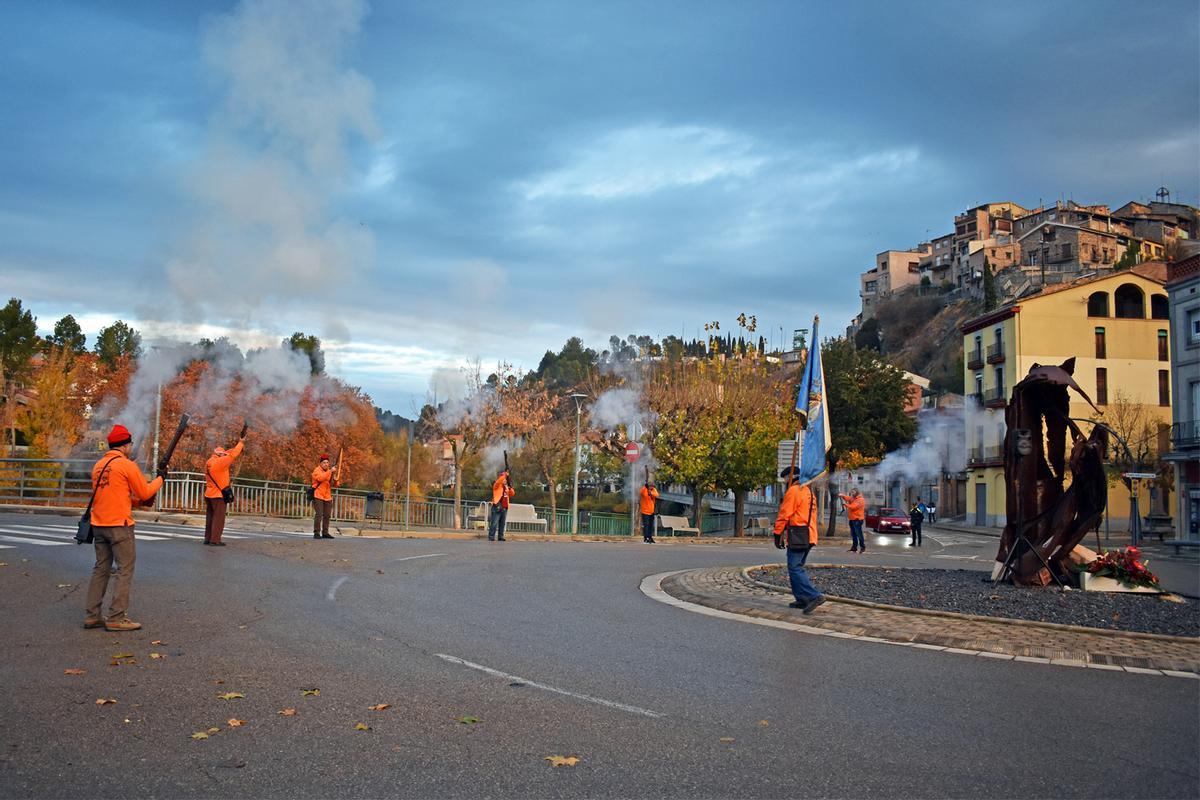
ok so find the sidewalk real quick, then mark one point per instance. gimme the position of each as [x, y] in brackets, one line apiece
[729, 589]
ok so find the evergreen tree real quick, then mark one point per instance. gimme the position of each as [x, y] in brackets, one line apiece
[990, 296]
[68, 336]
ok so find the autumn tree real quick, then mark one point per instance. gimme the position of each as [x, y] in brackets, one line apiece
[117, 341]
[686, 433]
[311, 347]
[52, 419]
[550, 450]
[18, 342]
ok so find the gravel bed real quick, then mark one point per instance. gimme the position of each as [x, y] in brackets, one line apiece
[964, 592]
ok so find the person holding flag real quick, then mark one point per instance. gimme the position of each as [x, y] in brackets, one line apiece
[796, 523]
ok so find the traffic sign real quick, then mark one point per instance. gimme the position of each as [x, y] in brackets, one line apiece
[632, 452]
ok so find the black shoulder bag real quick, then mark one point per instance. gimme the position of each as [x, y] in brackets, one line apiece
[226, 493]
[84, 533]
[797, 535]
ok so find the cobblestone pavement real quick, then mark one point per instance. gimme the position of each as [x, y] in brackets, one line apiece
[727, 589]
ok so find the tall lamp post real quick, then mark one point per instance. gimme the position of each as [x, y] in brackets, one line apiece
[576, 396]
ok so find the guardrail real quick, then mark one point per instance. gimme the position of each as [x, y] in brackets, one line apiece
[67, 483]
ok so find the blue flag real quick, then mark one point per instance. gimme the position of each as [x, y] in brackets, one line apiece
[814, 414]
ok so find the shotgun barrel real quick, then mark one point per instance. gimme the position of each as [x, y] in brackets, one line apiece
[170, 451]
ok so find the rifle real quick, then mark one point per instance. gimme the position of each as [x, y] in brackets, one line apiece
[170, 451]
[337, 474]
[507, 474]
[245, 428]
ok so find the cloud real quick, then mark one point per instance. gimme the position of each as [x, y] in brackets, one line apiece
[648, 158]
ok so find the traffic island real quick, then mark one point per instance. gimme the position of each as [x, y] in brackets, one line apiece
[733, 590]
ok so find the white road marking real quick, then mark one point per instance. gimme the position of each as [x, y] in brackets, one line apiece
[331, 595]
[30, 540]
[410, 558]
[645, 712]
[962, 558]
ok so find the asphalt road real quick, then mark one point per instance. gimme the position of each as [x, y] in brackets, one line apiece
[553, 649]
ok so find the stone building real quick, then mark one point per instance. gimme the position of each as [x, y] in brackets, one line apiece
[894, 271]
[1183, 291]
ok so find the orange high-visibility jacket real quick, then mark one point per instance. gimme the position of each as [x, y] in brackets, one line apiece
[122, 483]
[799, 507]
[499, 491]
[322, 481]
[856, 508]
[649, 495]
[217, 468]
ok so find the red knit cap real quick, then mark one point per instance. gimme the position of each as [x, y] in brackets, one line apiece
[118, 436]
[324, 457]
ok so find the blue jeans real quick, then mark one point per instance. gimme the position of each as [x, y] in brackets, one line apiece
[857, 542]
[496, 522]
[802, 587]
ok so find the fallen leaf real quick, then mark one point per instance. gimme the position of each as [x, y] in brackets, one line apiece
[380, 707]
[74, 671]
[562, 761]
[214, 730]
[123, 662]
[128, 720]
[65, 585]
[287, 712]
[158, 655]
[105, 701]
[727, 739]
[310, 692]
[762, 723]
[360, 726]
[122, 655]
[158, 641]
[3, 563]
[231, 696]
[199, 735]
[236, 723]
[218, 682]
[468, 720]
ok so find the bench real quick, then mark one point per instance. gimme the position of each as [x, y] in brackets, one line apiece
[1178, 543]
[761, 526]
[478, 518]
[677, 525]
[524, 514]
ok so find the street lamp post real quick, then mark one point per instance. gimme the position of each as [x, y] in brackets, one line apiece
[576, 396]
[408, 476]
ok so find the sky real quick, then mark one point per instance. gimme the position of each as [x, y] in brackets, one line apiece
[425, 184]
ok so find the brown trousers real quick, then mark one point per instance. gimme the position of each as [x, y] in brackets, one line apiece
[111, 543]
[214, 518]
[322, 510]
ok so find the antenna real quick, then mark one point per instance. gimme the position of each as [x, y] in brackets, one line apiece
[1163, 194]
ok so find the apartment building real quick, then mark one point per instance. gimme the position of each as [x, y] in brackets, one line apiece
[1183, 291]
[1059, 242]
[1115, 326]
[894, 271]
[1176, 220]
[987, 225]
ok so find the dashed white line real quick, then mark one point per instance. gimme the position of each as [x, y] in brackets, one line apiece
[410, 558]
[331, 595]
[645, 712]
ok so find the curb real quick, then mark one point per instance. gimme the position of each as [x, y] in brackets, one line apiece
[926, 612]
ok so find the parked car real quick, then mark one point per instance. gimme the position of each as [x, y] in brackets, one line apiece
[888, 520]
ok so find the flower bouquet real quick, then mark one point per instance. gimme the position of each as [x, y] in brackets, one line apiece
[1123, 566]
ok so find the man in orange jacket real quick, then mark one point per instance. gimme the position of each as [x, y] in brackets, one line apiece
[796, 529]
[217, 482]
[646, 503]
[502, 491]
[117, 482]
[856, 513]
[323, 481]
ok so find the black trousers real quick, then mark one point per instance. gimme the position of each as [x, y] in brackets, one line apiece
[648, 527]
[916, 533]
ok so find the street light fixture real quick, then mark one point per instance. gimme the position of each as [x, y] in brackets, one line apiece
[576, 396]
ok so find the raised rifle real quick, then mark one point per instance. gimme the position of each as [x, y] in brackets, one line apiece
[507, 474]
[245, 429]
[165, 460]
[337, 473]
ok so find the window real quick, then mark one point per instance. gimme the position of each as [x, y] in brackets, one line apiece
[1163, 350]
[869, 286]
[1193, 326]
[1101, 345]
[1065, 250]
[999, 334]
[1098, 304]
[1164, 387]
[1095, 254]
[1101, 386]
[1159, 307]
[999, 375]
[1105, 259]
[1130, 302]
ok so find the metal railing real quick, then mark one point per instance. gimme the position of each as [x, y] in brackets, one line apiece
[974, 359]
[996, 396]
[1185, 435]
[995, 353]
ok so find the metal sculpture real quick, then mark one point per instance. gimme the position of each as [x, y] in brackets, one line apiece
[1047, 516]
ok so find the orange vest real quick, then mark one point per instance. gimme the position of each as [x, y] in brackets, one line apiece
[799, 507]
[647, 501]
[122, 483]
[322, 481]
[499, 493]
[217, 469]
[855, 508]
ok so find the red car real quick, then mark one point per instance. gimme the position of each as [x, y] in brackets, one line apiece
[888, 520]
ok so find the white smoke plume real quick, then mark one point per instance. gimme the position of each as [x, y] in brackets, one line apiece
[622, 407]
[938, 448]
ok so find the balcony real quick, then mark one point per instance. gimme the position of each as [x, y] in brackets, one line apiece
[1185, 436]
[995, 353]
[995, 398]
[990, 456]
[975, 359]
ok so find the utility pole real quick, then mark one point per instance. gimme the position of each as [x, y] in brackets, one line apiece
[157, 421]
[408, 476]
[577, 396]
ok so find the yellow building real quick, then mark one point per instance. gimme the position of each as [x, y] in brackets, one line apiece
[1116, 327]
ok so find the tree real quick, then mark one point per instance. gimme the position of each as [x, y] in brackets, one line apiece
[867, 337]
[550, 450]
[53, 419]
[1129, 258]
[866, 397]
[117, 341]
[68, 336]
[311, 347]
[990, 296]
[18, 339]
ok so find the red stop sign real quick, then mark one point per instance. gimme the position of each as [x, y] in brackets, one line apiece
[632, 452]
